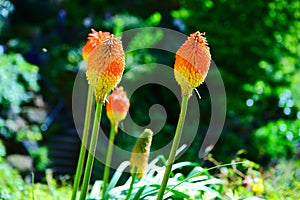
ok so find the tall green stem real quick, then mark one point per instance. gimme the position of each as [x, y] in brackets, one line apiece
[85, 136]
[175, 145]
[108, 158]
[131, 184]
[92, 150]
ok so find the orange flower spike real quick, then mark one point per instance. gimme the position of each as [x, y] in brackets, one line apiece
[105, 62]
[94, 39]
[192, 62]
[117, 107]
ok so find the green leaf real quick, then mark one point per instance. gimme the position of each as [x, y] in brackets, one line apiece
[139, 193]
[116, 177]
[183, 164]
[175, 192]
[96, 189]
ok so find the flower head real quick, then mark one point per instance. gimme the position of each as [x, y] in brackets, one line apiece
[140, 153]
[192, 63]
[105, 62]
[117, 106]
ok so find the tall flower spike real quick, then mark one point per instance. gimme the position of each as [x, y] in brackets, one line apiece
[140, 153]
[105, 62]
[117, 107]
[192, 63]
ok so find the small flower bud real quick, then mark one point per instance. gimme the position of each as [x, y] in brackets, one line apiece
[117, 107]
[140, 153]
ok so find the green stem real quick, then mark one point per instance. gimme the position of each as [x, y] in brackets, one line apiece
[175, 145]
[131, 184]
[85, 136]
[91, 152]
[108, 159]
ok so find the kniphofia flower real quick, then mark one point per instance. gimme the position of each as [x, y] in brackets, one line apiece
[117, 106]
[140, 153]
[105, 62]
[192, 63]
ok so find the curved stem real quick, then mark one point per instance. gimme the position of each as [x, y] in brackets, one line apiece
[108, 159]
[85, 136]
[175, 145]
[131, 184]
[91, 152]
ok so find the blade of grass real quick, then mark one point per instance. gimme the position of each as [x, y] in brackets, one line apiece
[85, 136]
[91, 152]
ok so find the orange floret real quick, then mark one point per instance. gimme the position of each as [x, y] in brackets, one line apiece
[94, 39]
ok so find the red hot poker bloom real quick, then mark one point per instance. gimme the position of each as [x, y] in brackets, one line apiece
[105, 62]
[117, 107]
[192, 63]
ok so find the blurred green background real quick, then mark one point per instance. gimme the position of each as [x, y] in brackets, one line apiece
[255, 45]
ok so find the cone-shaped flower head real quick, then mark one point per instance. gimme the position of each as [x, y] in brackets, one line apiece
[105, 62]
[192, 63]
[117, 107]
[140, 153]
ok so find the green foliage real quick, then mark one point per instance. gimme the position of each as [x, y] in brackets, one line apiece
[14, 187]
[2, 151]
[283, 180]
[248, 179]
[278, 139]
[257, 52]
[136, 52]
[295, 91]
[6, 8]
[121, 22]
[33, 134]
[18, 84]
[40, 157]
[12, 184]
[241, 181]
[17, 79]
[183, 13]
[197, 184]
